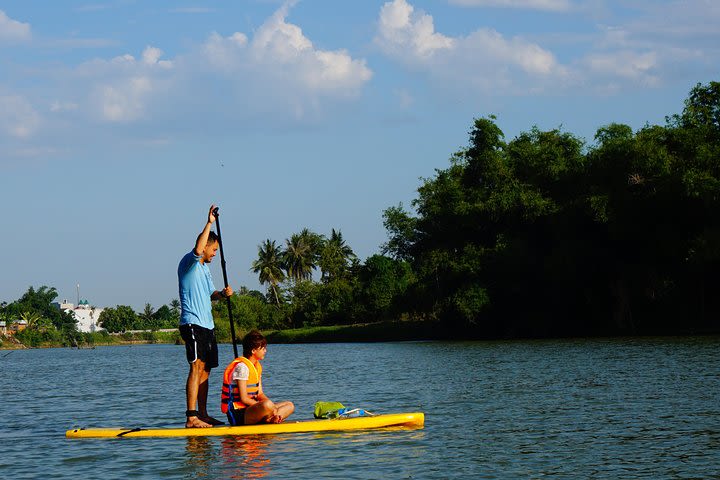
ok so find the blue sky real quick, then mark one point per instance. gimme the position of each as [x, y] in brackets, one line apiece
[121, 121]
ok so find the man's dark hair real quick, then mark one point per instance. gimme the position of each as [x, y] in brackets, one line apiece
[253, 340]
[212, 238]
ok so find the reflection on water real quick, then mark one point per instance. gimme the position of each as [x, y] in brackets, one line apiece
[601, 408]
[245, 457]
[236, 457]
[201, 457]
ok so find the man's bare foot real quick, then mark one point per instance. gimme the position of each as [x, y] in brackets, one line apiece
[211, 420]
[195, 422]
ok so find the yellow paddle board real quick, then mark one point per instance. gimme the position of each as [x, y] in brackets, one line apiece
[403, 420]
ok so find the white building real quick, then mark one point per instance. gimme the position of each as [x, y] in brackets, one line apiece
[86, 315]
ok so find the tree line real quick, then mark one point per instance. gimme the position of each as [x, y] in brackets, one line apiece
[546, 235]
[542, 235]
[47, 324]
[122, 318]
[312, 280]
[44, 322]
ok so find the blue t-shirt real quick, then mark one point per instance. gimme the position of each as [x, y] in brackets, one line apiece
[196, 286]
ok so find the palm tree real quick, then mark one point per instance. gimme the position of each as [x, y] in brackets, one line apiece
[175, 308]
[299, 257]
[315, 241]
[269, 266]
[36, 322]
[146, 317]
[335, 256]
[31, 318]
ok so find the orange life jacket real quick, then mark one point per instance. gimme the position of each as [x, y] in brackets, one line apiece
[231, 392]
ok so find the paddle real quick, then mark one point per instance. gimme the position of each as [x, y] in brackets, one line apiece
[222, 263]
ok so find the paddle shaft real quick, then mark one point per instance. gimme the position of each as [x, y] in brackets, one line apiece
[225, 279]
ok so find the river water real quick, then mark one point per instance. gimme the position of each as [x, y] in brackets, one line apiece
[601, 408]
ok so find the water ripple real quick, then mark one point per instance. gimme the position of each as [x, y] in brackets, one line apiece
[622, 408]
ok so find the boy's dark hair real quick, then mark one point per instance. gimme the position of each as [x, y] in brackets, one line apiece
[253, 340]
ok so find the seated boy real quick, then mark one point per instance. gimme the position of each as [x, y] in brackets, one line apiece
[243, 399]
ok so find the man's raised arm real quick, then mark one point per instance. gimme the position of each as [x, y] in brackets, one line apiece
[203, 237]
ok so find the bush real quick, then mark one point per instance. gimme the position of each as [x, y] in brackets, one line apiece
[150, 337]
[36, 338]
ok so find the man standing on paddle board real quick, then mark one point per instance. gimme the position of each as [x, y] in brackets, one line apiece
[197, 327]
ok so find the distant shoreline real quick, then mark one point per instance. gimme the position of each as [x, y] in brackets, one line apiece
[370, 332]
[364, 333]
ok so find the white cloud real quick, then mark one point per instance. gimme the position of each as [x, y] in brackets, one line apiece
[17, 117]
[625, 64]
[121, 88]
[402, 31]
[223, 53]
[483, 59]
[276, 74]
[647, 48]
[495, 49]
[551, 5]
[125, 101]
[12, 30]
[151, 56]
[280, 50]
[663, 42]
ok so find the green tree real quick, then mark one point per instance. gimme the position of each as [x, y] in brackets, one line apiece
[314, 241]
[269, 267]
[164, 318]
[702, 110]
[526, 237]
[118, 319]
[175, 309]
[335, 257]
[35, 321]
[30, 318]
[322, 303]
[146, 319]
[306, 309]
[299, 257]
[402, 233]
[383, 283]
[40, 301]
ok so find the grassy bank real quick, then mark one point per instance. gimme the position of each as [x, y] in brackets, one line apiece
[89, 340]
[150, 337]
[371, 332]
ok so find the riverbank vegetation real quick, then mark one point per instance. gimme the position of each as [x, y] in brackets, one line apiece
[543, 235]
[34, 320]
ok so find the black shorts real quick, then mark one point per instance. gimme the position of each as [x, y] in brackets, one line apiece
[236, 417]
[200, 344]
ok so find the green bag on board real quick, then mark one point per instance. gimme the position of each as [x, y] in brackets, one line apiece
[328, 409]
